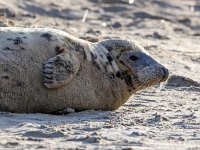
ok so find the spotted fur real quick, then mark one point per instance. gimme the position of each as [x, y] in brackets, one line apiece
[47, 70]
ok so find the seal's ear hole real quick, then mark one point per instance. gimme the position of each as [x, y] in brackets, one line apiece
[133, 58]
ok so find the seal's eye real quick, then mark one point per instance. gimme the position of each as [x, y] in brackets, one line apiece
[133, 58]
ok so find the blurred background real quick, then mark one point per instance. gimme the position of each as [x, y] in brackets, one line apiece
[111, 14]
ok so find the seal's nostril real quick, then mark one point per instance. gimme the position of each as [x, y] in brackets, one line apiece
[166, 74]
[166, 71]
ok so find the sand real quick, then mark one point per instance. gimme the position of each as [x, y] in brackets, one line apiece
[165, 116]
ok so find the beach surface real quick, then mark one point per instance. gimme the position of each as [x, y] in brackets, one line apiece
[166, 116]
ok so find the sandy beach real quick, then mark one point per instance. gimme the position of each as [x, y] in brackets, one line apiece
[166, 116]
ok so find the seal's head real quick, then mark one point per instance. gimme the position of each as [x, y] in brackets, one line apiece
[137, 67]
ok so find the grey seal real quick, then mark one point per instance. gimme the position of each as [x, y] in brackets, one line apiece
[45, 70]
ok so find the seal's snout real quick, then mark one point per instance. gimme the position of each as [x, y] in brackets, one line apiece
[165, 74]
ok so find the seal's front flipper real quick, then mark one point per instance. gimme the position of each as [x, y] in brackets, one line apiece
[60, 70]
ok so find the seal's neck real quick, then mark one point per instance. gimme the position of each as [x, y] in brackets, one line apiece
[75, 43]
[101, 57]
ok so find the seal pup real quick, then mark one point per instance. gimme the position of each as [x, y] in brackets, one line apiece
[45, 70]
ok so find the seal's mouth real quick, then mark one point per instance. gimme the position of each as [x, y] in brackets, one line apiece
[165, 74]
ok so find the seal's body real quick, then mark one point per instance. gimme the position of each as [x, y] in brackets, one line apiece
[47, 70]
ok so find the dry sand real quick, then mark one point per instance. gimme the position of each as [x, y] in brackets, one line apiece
[162, 117]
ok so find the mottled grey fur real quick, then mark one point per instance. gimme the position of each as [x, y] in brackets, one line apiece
[47, 70]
